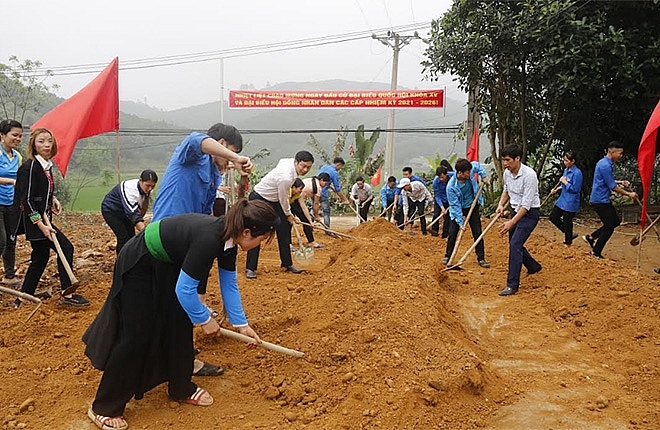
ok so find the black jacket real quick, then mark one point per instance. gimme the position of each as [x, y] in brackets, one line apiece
[33, 195]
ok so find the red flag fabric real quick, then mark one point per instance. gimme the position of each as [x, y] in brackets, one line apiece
[92, 110]
[375, 180]
[646, 156]
[473, 150]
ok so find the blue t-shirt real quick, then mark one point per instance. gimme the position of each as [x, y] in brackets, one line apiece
[440, 189]
[387, 195]
[189, 182]
[604, 181]
[569, 200]
[8, 169]
[334, 179]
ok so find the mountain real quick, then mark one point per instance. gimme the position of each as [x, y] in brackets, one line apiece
[286, 125]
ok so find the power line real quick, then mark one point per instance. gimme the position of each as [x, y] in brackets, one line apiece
[172, 60]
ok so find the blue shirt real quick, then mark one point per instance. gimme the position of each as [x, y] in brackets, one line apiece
[603, 181]
[387, 195]
[456, 197]
[334, 179]
[440, 189]
[189, 182]
[397, 192]
[569, 200]
[8, 169]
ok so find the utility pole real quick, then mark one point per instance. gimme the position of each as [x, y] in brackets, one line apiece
[396, 42]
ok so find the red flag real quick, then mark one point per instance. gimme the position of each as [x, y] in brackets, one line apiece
[646, 156]
[375, 180]
[473, 150]
[92, 110]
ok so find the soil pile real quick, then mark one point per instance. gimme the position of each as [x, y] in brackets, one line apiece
[390, 340]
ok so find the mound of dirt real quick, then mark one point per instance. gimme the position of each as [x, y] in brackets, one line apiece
[390, 341]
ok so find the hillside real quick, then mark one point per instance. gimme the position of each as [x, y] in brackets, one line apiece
[409, 148]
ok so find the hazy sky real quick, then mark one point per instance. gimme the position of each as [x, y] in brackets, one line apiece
[81, 32]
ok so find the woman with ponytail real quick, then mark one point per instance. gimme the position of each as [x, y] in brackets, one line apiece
[143, 335]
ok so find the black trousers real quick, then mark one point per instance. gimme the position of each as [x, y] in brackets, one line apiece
[417, 208]
[283, 233]
[121, 226]
[364, 210]
[9, 218]
[297, 210]
[610, 220]
[39, 261]
[563, 220]
[475, 226]
[437, 210]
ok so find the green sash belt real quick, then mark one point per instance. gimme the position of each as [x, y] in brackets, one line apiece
[153, 242]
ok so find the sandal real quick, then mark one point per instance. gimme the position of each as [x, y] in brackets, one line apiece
[209, 369]
[105, 423]
[200, 397]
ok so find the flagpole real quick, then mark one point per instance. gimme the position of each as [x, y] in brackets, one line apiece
[118, 164]
[639, 250]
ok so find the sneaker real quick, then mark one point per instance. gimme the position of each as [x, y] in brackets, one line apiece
[17, 303]
[599, 256]
[445, 260]
[12, 282]
[589, 240]
[75, 300]
[484, 264]
[250, 274]
[535, 270]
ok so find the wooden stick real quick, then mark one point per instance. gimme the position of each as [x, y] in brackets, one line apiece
[648, 218]
[24, 296]
[545, 200]
[467, 220]
[639, 250]
[474, 245]
[638, 238]
[385, 210]
[271, 346]
[357, 213]
[416, 217]
[328, 230]
[60, 253]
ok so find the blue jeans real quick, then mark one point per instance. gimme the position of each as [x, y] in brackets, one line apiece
[325, 208]
[518, 254]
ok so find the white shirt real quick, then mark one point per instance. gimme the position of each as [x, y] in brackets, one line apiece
[419, 193]
[362, 194]
[308, 191]
[275, 186]
[523, 188]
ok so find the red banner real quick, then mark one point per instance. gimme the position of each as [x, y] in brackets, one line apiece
[336, 99]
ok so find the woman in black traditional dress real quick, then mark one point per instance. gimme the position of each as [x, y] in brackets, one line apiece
[143, 335]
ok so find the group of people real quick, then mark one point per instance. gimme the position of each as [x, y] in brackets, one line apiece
[143, 334]
[27, 205]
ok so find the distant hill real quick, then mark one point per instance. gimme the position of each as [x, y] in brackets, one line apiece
[410, 148]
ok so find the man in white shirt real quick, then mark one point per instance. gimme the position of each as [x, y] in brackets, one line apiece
[521, 189]
[362, 195]
[418, 195]
[274, 188]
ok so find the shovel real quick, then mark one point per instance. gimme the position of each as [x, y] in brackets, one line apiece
[304, 255]
[474, 245]
[635, 240]
[467, 219]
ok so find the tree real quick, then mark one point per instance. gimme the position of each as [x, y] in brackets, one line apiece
[552, 75]
[22, 89]
[363, 162]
